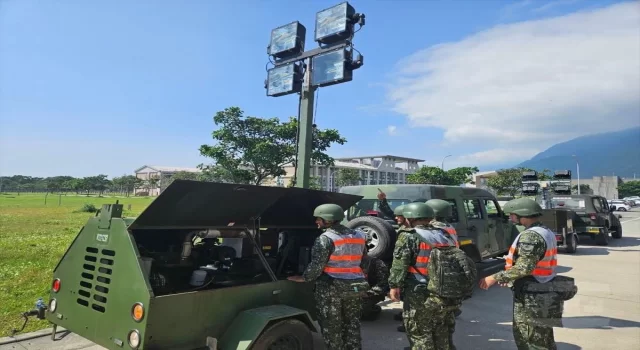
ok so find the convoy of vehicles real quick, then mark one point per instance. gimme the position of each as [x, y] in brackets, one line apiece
[591, 216]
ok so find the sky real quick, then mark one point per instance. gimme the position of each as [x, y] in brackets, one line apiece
[108, 86]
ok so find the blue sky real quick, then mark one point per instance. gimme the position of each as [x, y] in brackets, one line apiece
[100, 86]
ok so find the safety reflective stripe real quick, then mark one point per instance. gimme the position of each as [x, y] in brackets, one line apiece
[343, 269]
[344, 262]
[350, 241]
[345, 257]
[544, 267]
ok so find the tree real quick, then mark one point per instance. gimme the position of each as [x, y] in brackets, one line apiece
[507, 181]
[180, 175]
[436, 176]
[629, 189]
[348, 177]
[314, 183]
[584, 189]
[256, 148]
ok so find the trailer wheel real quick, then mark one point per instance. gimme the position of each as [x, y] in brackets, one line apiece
[617, 232]
[285, 335]
[571, 244]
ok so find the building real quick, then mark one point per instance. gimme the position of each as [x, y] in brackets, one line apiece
[606, 186]
[373, 170]
[155, 178]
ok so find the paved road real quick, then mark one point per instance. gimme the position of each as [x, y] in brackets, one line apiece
[604, 314]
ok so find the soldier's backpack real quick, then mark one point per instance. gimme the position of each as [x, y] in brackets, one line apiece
[452, 273]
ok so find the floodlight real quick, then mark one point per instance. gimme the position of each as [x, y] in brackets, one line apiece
[284, 80]
[331, 68]
[335, 23]
[287, 40]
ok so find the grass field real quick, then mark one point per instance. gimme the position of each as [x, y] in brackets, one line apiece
[33, 237]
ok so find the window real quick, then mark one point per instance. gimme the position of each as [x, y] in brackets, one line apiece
[597, 204]
[567, 203]
[472, 209]
[454, 209]
[492, 208]
[364, 205]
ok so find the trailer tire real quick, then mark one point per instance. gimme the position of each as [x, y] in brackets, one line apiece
[571, 244]
[617, 232]
[288, 334]
[380, 235]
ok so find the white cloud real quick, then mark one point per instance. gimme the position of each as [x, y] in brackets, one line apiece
[392, 130]
[523, 87]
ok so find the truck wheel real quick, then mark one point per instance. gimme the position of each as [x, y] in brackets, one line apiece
[571, 244]
[380, 235]
[288, 334]
[617, 232]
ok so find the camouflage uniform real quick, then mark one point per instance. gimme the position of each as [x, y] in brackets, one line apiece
[385, 209]
[531, 248]
[427, 328]
[339, 305]
[377, 277]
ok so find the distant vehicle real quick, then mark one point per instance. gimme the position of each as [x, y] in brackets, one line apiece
[592, 216]
[619, 205]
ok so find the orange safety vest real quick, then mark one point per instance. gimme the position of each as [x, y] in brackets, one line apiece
[345, 261]
[449, 229]
[429, 239]
[545, 269]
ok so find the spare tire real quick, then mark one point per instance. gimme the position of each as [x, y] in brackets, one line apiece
[381, 236]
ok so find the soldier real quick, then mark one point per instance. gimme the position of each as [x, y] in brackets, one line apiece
[340, 284]
[425, 326]
[377, 274]
[533, 253]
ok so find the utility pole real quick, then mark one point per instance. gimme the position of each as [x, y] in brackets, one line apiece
[333, 62]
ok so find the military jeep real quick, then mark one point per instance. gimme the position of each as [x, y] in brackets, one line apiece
[592, 217]
[483, 229]
[204, 266]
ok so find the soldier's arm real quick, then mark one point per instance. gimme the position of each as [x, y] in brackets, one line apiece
[402, 258]
[385, 209]
[320, 252]
[382, 275]
[531, 248]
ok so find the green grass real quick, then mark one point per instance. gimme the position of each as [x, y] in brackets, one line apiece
[33, 237]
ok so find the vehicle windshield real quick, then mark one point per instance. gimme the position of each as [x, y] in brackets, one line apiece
[568, 203]
[364, 205]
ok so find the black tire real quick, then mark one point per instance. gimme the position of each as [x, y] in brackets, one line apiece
[381, 236]
[288, 334]
[617, 232]
[603, 237]
[572, 244]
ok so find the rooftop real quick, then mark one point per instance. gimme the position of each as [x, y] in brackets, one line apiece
[169, 169]
[406, 159]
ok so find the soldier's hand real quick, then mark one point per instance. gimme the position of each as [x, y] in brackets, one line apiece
[487, 282]
[394, 294]
[382, 195]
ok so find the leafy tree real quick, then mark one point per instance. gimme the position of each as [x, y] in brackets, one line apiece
[180, 175]
[507, 181]
[629, 189]
[437, 176]
[584, 189]
[347, 177]
[256, 148]
[314, 183]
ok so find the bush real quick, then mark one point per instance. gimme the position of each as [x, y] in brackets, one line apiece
[88, 208]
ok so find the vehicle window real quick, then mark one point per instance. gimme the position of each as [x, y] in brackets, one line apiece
[568, 203]
[605, 205]
[492, 208]
[472, 209]
[364, 205]
[454, 208]
[597, 204]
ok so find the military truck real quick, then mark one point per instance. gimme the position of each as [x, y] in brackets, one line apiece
[484, 230]
[204, 266]
[592, 217]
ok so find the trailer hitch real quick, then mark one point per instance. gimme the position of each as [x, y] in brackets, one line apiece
[41, 307]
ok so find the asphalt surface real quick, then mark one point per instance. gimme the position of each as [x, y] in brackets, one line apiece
[604, 314]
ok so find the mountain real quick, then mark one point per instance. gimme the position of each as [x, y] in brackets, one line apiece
[605, 154]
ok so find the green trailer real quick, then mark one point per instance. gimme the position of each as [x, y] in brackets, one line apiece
[203, 267]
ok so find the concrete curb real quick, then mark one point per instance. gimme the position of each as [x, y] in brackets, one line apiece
[26, 336]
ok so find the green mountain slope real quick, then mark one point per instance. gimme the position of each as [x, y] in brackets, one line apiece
[605, 154]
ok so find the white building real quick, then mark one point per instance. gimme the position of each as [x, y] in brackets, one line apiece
[161, 173]
[382, 169]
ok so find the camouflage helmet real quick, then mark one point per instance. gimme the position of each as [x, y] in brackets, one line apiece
[398, 210]
[441, 208]
[417, 211]
[329, 212]
[523, 207]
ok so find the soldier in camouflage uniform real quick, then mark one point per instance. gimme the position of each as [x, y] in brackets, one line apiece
[426, 327]
[340, 284]
[534, 253]
[377, 275]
